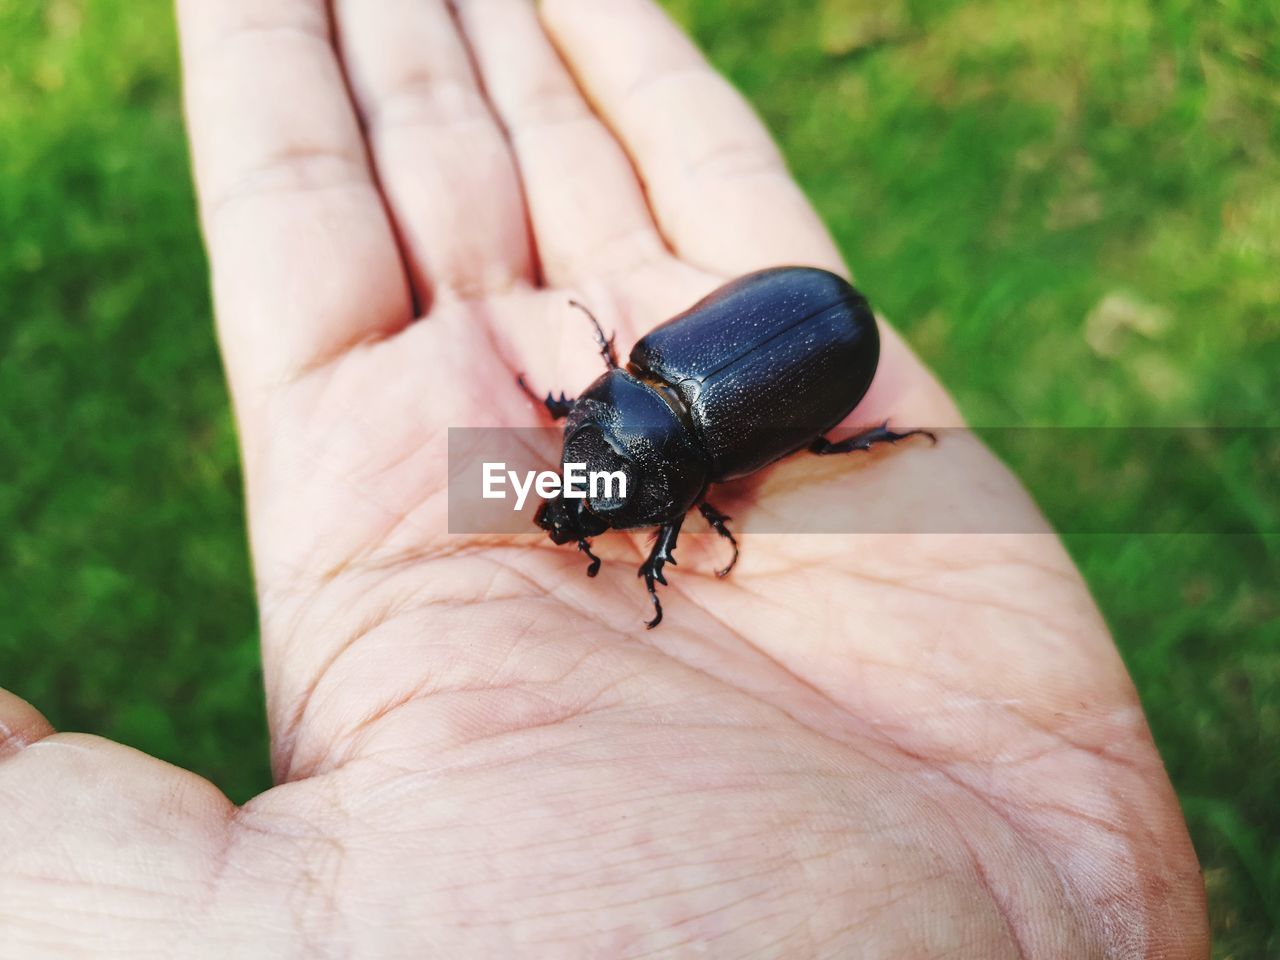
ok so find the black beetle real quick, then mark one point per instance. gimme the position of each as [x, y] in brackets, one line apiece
[760, 369]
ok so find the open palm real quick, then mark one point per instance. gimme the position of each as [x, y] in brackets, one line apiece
[873, 745]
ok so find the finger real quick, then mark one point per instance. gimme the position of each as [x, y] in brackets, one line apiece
[442, 159]
[588, 212]
[304, 259]
[716, 182]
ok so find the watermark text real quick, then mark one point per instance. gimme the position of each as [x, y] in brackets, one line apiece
[575, 482]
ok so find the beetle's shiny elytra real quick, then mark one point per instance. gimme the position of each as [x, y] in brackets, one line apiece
[758, 370]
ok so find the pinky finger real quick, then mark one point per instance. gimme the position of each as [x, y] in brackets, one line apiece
[718, 185]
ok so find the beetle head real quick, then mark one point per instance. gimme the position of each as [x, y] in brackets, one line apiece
[567, 521]
[649, 464]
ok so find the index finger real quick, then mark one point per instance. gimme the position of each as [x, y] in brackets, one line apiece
[304, 259]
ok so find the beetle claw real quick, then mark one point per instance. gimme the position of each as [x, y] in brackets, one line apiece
[657, 608]
[651, 569]
[717, 520]
[652, 576]
[866, 440]
[594, 567]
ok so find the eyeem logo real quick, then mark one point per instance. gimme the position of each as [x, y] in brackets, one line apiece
[575, 483]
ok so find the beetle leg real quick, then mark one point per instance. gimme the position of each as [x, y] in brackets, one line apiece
[651, 569]
[865, 440]
[605, 344]
[558, 407]
[594, 567]
[717, 520]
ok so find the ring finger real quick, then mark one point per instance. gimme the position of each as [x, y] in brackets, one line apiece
[588, 210]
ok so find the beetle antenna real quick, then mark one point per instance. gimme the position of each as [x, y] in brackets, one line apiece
[605, 343]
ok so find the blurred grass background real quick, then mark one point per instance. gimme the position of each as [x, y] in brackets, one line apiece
[1072, 210]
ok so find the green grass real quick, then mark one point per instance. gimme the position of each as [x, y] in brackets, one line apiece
[1072, 210]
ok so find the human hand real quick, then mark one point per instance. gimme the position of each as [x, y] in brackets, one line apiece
[887, 745]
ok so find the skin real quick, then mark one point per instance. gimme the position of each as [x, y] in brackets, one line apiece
[874, 745]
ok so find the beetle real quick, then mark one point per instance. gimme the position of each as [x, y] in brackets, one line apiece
[758, 370]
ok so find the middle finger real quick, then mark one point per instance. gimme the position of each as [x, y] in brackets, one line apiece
[445, 165]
